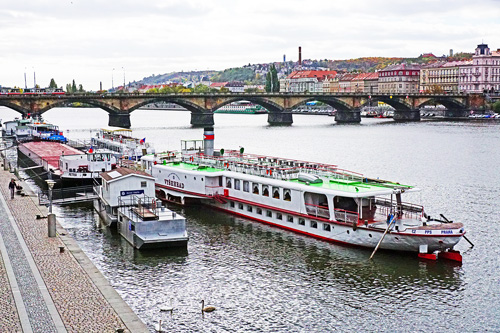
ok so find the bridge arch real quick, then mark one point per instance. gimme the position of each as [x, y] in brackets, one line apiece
[188, 105]
[334, 102]
[267, 103]
[401, 104]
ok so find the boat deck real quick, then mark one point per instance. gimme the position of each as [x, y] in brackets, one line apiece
[51, 151]
[337, 182]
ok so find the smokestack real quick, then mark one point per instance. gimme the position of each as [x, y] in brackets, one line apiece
[300, 56]
[100, 85]
[208, 141]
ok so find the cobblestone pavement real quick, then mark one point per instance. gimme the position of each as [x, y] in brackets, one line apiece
[9, 320]
[80, 304]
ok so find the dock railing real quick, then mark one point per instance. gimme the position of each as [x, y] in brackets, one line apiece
[67, 195]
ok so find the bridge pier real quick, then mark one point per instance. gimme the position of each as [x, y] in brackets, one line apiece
[280, 118]
[407, 115]
[119, 120]
[345, 117]
[202, 119]
[456, 113]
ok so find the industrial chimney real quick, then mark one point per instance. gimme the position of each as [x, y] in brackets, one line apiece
[300, 56]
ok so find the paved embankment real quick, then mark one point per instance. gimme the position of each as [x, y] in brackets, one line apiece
[45, 290]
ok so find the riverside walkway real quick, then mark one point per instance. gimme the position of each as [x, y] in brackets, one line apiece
[49, 284]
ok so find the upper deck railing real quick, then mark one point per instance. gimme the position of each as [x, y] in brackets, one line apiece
[267, 166]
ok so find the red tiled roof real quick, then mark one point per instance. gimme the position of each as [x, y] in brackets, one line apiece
[310, 74]
[218, 84]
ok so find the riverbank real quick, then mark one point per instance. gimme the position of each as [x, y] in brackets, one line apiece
[49, 284]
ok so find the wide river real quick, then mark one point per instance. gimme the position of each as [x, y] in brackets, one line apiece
[261, 278]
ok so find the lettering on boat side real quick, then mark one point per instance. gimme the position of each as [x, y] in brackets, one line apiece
[414, 231]
[428, 232]
[446, 231]
[174, 180]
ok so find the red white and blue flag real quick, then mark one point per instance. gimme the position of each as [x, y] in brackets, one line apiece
[142, 140]
[91, 150]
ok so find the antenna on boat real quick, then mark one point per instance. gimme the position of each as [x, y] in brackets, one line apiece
[448, 221]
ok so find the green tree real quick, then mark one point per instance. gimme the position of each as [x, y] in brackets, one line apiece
[73, 87]
[496, 106]
[274, 79]
[272, 82]
[52, 84]
[201, 89]
[80, 88]
[268, 81]
[68, 89]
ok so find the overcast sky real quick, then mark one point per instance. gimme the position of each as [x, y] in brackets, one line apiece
[85, 39]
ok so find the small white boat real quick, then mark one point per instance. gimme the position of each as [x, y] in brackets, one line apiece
[84, 167]
[122, 142]
[145, 225]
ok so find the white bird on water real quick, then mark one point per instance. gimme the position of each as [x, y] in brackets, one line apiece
[158, 327]
[206, 308]
[167, 308]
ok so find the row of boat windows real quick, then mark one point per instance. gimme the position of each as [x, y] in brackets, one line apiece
[279, 216]
[257, 189]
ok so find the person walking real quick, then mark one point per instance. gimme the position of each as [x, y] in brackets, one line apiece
[12, 188]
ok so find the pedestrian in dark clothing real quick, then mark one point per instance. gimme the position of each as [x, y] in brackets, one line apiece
[12, 188]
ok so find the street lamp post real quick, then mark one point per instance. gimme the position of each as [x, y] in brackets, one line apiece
[51, 218]
[112, 82]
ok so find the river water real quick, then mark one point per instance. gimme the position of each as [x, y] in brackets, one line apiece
[261, 278]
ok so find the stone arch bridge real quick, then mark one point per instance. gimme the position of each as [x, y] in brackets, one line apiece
[279, 105]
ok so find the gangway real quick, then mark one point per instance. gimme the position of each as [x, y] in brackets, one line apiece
[67, 195]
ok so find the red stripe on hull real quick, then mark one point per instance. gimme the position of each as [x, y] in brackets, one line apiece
[284, 211]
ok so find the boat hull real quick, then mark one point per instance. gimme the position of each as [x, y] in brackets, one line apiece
[107, 218]
[333, 231]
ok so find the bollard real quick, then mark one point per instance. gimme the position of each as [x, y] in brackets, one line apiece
[51, 218]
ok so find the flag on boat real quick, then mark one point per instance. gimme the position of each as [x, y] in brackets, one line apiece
[142, 141]
[91, 150]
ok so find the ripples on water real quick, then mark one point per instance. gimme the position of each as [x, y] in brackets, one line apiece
[265, 279]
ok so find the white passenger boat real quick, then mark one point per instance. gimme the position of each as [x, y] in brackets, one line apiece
[126, 201]
[314, 199]
[122, 142]
[84, 167]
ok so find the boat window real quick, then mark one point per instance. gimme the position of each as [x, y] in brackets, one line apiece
[302, 221]
[255, 189]
[326, 227]
[228, 182]
[276, 192]
[249, 208]
[259, 211]
[144, 184]
[236, 184]
[240, 206]
[289, 218]
[345, 203]
[265, 190]
[314, 224]
[286, 195]
[269, 213]
[279, 216]
[231, 204]
[246, 186]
